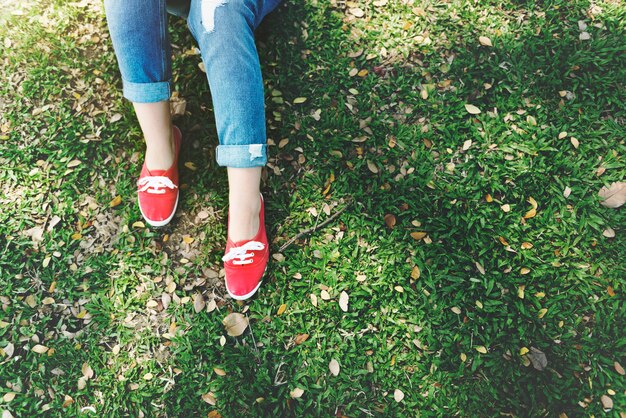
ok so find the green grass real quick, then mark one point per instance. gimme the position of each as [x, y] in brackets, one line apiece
[90, 288]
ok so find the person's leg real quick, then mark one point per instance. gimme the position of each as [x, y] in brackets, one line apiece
[156, 125]
[138, 31]
[224, 30]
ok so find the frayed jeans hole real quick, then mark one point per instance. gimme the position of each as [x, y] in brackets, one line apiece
[255, 150]
[208, 13]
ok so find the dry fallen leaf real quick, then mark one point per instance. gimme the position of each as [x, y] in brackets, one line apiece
[609, 233]
[9, 349]
[281, 309]
[618, 368]
[300, 338]
[537, 358]
[198, 302]
[296, 393]
[343, 301]
[472, 110]
[357, 12]
[542, 312]
[219, 372]
[235, 324]
[520, 291]
[209, 398]
[333, 366]
[480, 268]
[390, 220]
[398, 395]
[607, 403]
[523, 351]
[87, 371]
[484, 41]
[372, 167]
[467, 144]
[574, 142]
[418, 235]
[614, 196]
[116, 201]
[481, 349]
[39, 349]
[506, 207]
[415, 273]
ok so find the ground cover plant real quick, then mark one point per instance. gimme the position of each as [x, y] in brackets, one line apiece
[439, 245]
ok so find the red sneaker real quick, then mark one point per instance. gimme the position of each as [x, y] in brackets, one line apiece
[157, 190]
[245, 262]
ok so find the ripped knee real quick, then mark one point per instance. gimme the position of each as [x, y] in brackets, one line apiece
[208, 13]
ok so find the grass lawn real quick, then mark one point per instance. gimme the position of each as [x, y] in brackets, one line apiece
[438, 243]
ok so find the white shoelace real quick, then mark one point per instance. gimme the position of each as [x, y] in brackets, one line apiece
[155, 184]
[242, 252]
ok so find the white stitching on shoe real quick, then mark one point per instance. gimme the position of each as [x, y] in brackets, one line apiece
[242, 252]
[155, 184]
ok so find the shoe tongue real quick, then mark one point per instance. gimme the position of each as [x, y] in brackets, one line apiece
[155, 173]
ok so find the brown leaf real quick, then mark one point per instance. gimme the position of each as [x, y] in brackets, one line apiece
[607, 403]
[209, 398]
[537, 358]
[472, 110]
[390, 220]
[87, 371]
[235, 324]
[614, 196]
[618, 368]
[484, 41]
[418, 235]
[300, 338]
[415, 273]
[198, 302]
[219, 372]
[609, 233]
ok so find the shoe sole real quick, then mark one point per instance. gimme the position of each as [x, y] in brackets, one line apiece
[247, 295]
[158, 223]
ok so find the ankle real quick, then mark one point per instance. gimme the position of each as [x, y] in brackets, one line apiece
[160, 154]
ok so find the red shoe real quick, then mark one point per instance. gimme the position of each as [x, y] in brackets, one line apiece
[245, 262]
[157, 190]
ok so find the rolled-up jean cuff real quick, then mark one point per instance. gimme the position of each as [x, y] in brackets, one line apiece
[241, 156]
[147, 92]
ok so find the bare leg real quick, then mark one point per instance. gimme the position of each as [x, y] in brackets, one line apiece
[244, 202]
[156, 123]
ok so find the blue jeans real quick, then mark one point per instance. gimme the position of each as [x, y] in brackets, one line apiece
[224, 30]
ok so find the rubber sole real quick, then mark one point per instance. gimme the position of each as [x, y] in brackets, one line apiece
[249, 294]
[158, 223]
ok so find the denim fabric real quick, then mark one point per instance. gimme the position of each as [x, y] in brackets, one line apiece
[224, 30]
